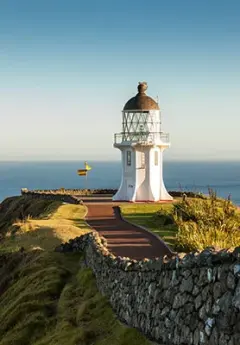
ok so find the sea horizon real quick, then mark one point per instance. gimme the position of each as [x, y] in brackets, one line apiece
[223, 176]
[117, 160]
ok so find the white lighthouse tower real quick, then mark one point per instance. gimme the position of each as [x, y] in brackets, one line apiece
[142, 143]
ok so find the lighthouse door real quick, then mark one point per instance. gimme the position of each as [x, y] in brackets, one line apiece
[129, 185]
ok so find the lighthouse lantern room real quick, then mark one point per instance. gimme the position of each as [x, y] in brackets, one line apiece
[141, 143]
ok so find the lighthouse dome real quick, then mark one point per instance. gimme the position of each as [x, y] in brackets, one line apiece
[141, 101]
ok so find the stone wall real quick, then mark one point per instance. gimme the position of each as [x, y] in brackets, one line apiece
[189, 299]
[73, 196]
[63, 191]
[68, 198]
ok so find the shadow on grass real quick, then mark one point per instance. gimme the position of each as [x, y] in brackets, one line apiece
[22, 207]
[43, 238]
[149, 220]
[47, 300]
[81, 223]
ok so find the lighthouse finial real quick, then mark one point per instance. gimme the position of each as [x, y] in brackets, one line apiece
[142, 87]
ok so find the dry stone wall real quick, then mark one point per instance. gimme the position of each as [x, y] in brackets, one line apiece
[63, 191]
[68, 198]
[71, 196]
[192, 299]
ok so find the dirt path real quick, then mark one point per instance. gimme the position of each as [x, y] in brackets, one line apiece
[123, 239]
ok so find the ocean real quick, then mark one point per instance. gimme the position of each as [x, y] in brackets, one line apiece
[223, 177]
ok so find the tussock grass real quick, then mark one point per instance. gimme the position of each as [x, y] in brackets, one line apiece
[190, 223]
[205, 223]
[21, 207]
[45, 227]
[48, 300]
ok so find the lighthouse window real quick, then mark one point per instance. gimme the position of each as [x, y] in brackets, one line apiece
[156, 157]
[129, 158]
[142, 160]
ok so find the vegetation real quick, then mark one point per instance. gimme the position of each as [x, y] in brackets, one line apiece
[205, 223]
[39, 224]
[190, 223]
[154, 217]
[48, 298]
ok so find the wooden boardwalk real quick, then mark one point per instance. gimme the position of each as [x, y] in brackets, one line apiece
[123, 238]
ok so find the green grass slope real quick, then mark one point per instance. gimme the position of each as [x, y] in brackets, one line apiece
[147, 215]
[48, 298]
[38, 224]
[190, 224]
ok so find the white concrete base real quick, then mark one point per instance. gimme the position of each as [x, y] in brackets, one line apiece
[142, 176]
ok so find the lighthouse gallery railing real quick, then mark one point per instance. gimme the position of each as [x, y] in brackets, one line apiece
[141, 137]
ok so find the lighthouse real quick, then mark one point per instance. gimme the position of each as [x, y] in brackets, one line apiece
[142, 144]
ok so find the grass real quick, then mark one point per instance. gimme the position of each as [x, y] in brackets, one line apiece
[48, 298]
[58, 223]
[206, 223]
[145, 215]
[193, 224]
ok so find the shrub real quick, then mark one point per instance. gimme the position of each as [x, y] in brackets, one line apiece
[163, 217]
[207, 222]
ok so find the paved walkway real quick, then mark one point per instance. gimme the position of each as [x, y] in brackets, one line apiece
[123, 238]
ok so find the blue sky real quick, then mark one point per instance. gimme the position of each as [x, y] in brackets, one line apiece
[68, 67]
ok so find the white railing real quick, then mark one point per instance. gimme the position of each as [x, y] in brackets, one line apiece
[141, 137]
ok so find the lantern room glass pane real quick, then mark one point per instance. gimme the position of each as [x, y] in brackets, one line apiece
[140, 126]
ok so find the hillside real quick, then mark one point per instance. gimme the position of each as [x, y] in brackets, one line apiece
[47, 297]
[38, 224]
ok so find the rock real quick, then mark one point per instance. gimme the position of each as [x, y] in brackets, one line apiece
[196, 337]
[203, 277]
[201, 337]
[205, 257]
[179, 320]
[214, 337]
[187, 261]
[209, 325]
[193, 321]
[222, 339]
[231, 281]
[236, 339]
[208, 304]
[169, 295]
[172, 314]
[175, 280]
[185, 334]
[186, 273]
[205, 292]
[176, 335]
[188, 308]
[165, 312]
[217, 291]
[186, 285]
[225, 302]
[202, 313]
[198, 301]
[196, 290]
[236, 253]
[236, 270]
[236, 297]
[168, 323]
[216, 308]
